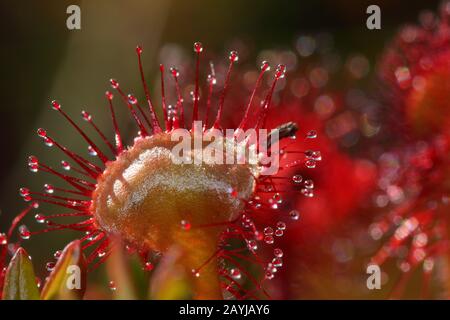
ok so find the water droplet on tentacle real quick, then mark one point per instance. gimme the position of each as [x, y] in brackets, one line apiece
[235, 273]
[49, 188]
[24, 232]
[112, 286]
[233, 56]
[198, 47]
[3, 239]
[50, 266]
[39, 218]
[148, 266]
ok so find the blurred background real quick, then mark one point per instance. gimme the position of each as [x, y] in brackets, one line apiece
[42, 60]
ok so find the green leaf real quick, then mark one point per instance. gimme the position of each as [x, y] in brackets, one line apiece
[170, 280]
[20, 281]
[67, 281]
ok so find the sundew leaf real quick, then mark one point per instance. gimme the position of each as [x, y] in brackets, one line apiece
[67, 281]
[170, 280]
[20, 280]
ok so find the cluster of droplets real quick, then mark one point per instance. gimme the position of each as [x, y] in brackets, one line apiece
[275, 201]
[307, 185]
[270, 233]
[274, 265]
[414, 198]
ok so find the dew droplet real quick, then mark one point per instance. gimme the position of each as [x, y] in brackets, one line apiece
[65, 165]
[309, 184]
[109, 95]
[38, 282]
[314, 155]
[233, 56]
[195, 273]
[268, 231]
[3, 239]
[280, 71]
[211, 79]
[48, 142]
[278, 252]
[310, 164]
[317, 156]
[277, 262]
[24, 192]
[56, 105]
[235, 273]
[32, 160]
[49, 188]
[297, 178]
[174, 71]
[268, 239]
[92, 151]
[198, 47]
[139, 50]
[252, 245]
[294, 215]
[112, 286]
[279, 232]
[24, 232]
[307, 192]
[86, 116]
[265, 66]
[132, 99]
[57, 254]
[277, 198]
[41, 132]
[50, 266]
[114, 83]
[39, 218]
[33, 164]
[185, 225]
[312, 134]
[148, 266]
[281, 225]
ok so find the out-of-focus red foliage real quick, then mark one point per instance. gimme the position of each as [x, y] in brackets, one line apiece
[414, 177]
[415, 74]
[341, 183]
[343, 186]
